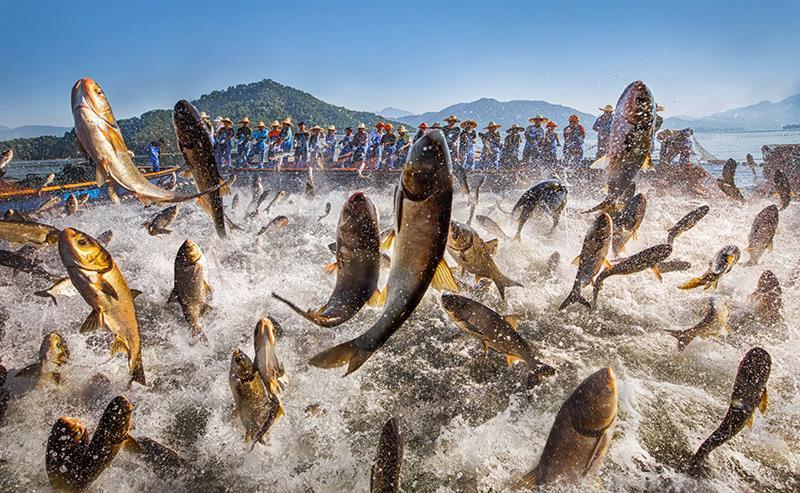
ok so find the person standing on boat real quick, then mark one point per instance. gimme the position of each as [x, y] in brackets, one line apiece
[154, 154]
[388, 142]
[534, 139]
[315, 143]
[330, 145]
[374, 149]
[209, 127]
[286, 142]
[401, 146]
[510, 156]
[603, 128]
[259, 145]
[225, 136]
[466, 144]
[243, 137]
[451, 134]
[574, 135]
[360, 142]
[301, 144]
[346, 147]
[423, 129]
[273, 142]
[492, 146]
[551, 145]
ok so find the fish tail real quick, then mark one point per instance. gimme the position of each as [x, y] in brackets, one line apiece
[351, 353]
[598, 285]
[575, 297]
[502, 282]
[539, 371]
[136, 369]
[682, 336]
[526, 482]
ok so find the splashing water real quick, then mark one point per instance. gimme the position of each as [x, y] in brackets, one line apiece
[471, 423]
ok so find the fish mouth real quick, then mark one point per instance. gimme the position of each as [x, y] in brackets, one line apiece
[357, 197]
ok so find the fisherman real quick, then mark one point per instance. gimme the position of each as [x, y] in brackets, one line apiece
[388, 142]
[259, 146]
[423, 129]
[315, 143]
[224, 146]
[207, 121]
[330, 145]
[286, 142]
[346, 146]
[551, 145]
[603, 128]
[451, 134]
[243, 136]
[154, 154]
[492, 146]
[374, 148]
[675, 143]
[574, 136]
[659, 118]
[534, 138]
[217, 124]
[513, 141]
[360, 142]
[401, 146]
[273, 141]
[301, 144]
[466, 144]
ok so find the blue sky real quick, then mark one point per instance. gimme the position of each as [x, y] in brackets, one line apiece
[697, 57]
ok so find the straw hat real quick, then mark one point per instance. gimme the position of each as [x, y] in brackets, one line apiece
[452, 118]
[261, 125]
[218, 119]
[331, 128]
[227, 120]
[536, 118]
[492, 125]
[361, 126]
[423, 126]
[244, 120]
[469, 123]
[607, 108]
[388, 126]
[660, 108]
[552, 124]
[514, 128]
[204, 115]
[574, 118]
[316, 128]
[275, 123]
[402, 130]
[288, 121]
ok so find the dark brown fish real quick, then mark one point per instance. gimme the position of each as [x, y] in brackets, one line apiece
[714, 323]
[627, 222]
[782, 188]
[686, 223]
[762, 233]
[160, 224]
[385, 474]
[549, 196]
[646, 259]
[767, 299]
[721, 264]
[593, 255]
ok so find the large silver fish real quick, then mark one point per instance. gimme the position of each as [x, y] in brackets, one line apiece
[592, 258]
[762, 233]
[549, 196]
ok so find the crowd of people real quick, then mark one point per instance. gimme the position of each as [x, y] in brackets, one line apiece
[383, 146]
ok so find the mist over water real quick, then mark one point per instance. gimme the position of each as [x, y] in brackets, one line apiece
[471, 423]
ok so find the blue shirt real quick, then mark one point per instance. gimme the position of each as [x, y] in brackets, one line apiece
[152, 155]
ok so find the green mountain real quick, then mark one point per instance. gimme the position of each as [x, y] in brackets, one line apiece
[266, 100]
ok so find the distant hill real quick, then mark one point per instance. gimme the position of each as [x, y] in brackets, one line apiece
[27, 131]
[266, 100]
[760, 116]
[390, 112]
[505, 113]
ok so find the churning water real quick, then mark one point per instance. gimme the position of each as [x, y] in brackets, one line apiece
[471, 423]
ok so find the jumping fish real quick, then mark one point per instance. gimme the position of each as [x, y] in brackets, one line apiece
[72, 461]
[762, 233]
[277, 198]
[385, 473]
[160, 224]
[714, 323]
[72, 205]
[98, 279]
[423, 202]
[721, 264]
[161, 459]
[277, 224]
[357, 265]
[627, 222]
[53, 354]
[767, 299]
[270, 371]
[581, 433]
[491, 227]
[61, 287]
[782, 188]
[752, 164]
[21, 263]
[191, 289]
[198, 153]
[686, 223]
[327, 211]
[550, 196]
[593, 255]
[494, 331]
[254, 406]
[47, 180]
[749, 393]
[727, 183]
[101, 140]
[674, 265]
[646, 259]
[474, 255]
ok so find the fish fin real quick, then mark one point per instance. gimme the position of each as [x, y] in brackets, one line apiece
[173, 296]
[635, 237]
[443, 279]
[647, 163]
[502, 282]
[575, 297]
[657, 272]
[131, 445]
[136, 370]
[513, 321]
[378, 298]
[105, 287]
[769, 247]
[44, 294]
[300, 311]
[751, 420]
[205, 308]
[205, 204]
[608, 264]
[527, 482]
[485, 347]
[93, 322]
[330, 268]
[119, 346]
[491, 246]
[511, 359]
[352, 353]
[601, 162]
[29, 370]
[599, 452]
[387, 242]
[576, 260]
[135, 293]
[693, 283]
[762, 403]
[714, 284]
[225, 187]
